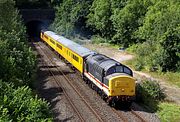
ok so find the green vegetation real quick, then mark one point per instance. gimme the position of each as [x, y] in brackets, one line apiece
[17, 70]
[152, 97]
[19, 104]
[161, 32]
[150, 94]
[169, 112]
[69, 15]
[151, 25]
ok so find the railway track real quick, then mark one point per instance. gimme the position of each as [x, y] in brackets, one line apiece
[76, 110]
[64, 91]
[117, 112]
[137, 115]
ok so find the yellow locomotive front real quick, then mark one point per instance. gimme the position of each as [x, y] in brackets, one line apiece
[121, 86]
[113, 79]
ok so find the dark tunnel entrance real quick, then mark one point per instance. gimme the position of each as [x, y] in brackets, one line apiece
[34, 27]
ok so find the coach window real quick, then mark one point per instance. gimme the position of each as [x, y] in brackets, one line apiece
[52, 41]
[75, 58]
[59, 46]
[45, 36]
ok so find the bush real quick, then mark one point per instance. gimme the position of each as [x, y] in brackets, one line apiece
[132, 48]
[20, 105]
[150, 93]
[138, 64]
[98, 39]
[17, 69]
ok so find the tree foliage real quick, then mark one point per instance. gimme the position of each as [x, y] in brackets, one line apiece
[19, 104]
[151, 24]
[127, 19]
[99, 17]
[17, 70]
[70, 13]
[14, 49]
[161, 27]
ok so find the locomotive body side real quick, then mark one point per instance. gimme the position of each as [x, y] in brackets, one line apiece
[112, 78]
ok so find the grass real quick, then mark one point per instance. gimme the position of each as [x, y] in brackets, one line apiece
[172, 78]
[169, 112]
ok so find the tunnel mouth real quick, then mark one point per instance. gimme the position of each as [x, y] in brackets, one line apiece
[33, 29]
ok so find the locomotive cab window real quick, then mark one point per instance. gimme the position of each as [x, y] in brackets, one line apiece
[111, 71]
[118, 69]
[127, 70]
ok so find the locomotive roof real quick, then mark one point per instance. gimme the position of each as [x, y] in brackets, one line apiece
[80, 50]
[103, 61]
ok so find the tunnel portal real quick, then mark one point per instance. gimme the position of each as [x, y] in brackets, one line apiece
[34, 27]
[37, 19]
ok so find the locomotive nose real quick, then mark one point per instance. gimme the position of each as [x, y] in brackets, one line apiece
[122, 85]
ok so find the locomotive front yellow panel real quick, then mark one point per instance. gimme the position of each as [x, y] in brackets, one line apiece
[122, 85]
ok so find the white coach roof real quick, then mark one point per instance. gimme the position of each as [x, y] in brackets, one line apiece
[80, 50]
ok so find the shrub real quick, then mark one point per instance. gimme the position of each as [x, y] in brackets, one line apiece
[132, 48]
[20, 105]
[17, 102]
[98, 39]
[138, 64]
[150, 93]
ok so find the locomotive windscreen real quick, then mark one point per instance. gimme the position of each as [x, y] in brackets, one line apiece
[119, 69]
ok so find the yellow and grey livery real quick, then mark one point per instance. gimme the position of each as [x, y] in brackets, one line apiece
[112, 79]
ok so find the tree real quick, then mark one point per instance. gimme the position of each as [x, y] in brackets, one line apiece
[19, 61]
[69, 14]
[161, 26]
[126, 20]
[99, 17]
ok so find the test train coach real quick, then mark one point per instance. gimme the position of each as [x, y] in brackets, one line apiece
[113, 80]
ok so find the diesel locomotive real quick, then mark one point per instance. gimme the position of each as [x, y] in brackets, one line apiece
[111, 79]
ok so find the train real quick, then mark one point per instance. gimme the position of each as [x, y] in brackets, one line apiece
[111, 79]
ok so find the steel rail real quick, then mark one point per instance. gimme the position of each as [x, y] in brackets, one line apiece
[64, 91]
[75, 89]
[137, 115]
[113, 109]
